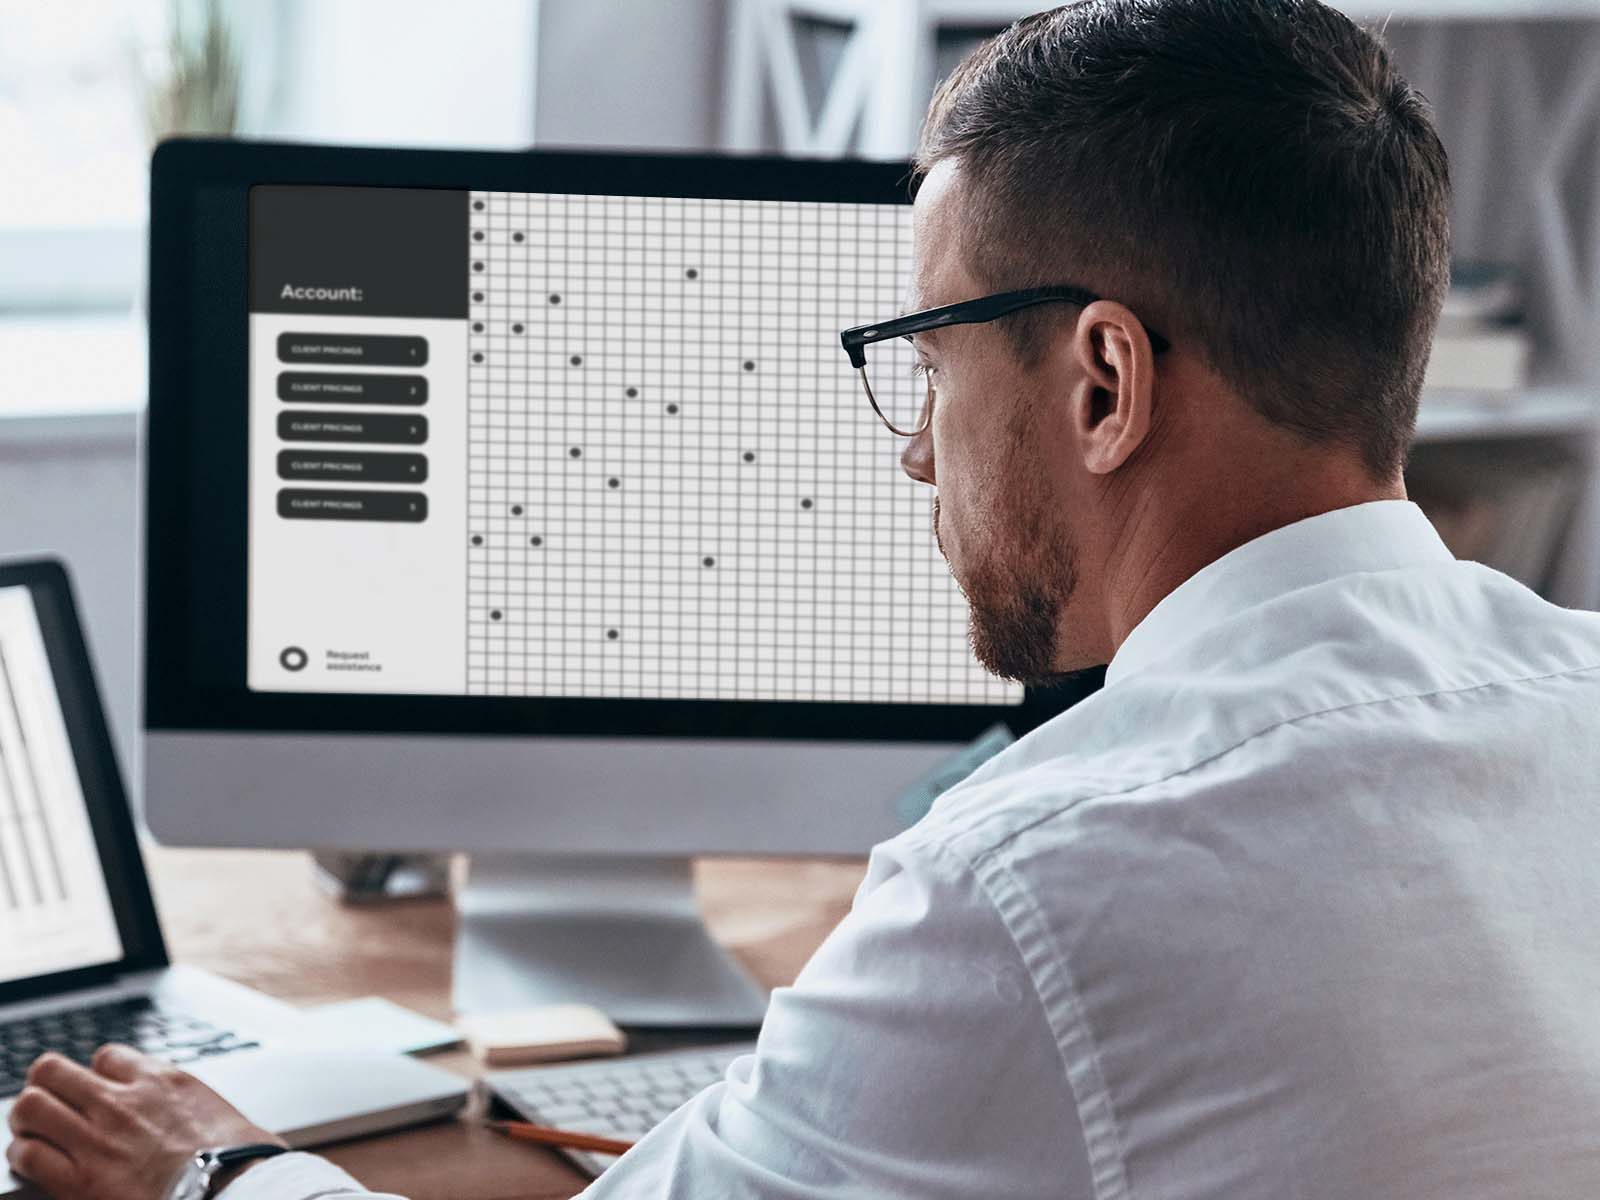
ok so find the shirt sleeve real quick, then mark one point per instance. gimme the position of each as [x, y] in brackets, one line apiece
[297, 1176]
[912, 1057]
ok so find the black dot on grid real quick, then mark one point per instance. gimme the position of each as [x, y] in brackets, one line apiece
[708, 561]
[477, 235]
[749, 456]
[575, 452]
[748, 365]
[576, 360]
[672, 410]
[477, 539]
[477, 266]
[536, 541]
[805, 504]
[613, 482]
[555, 299]
[477, 205]
[516, 237]
[613, 634]
[632, 393]
[477, 358]
[477, 297]
[516, 510]
[477, 327]
[494, 615]
[691, 273]
[517, 328]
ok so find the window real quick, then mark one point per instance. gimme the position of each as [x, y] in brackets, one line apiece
[73, 140]
[75, 145]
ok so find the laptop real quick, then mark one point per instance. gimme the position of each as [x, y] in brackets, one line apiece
[82, 959]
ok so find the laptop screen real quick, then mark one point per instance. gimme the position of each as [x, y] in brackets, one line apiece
[55, 907]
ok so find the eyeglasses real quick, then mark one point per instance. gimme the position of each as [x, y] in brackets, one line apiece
[903, 398]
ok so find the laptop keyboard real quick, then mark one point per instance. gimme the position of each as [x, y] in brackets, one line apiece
[136, 1021]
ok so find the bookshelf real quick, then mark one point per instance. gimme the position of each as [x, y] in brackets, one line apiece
[1516, 91]
[1541, 411]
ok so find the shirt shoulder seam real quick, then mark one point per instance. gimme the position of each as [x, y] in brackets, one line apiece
[1132, 789]
[1116, 1186]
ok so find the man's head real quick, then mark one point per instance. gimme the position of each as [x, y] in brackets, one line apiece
[1250, 178]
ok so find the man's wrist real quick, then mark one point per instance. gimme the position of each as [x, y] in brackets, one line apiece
[232, 1171]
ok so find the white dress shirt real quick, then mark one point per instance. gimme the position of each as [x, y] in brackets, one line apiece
[1304, 905]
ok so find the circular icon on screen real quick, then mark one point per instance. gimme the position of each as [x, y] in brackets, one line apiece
[294, 659]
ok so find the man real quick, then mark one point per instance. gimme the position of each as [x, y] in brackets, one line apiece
[1303, 902]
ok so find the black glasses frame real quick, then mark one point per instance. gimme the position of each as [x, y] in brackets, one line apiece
[968, 312]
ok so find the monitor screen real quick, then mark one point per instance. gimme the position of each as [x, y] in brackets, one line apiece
[55, 907]
[546, 444]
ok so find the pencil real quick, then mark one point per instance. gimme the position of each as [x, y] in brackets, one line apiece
[522, 1131]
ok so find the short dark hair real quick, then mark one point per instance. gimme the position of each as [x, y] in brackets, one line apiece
[1253, 176]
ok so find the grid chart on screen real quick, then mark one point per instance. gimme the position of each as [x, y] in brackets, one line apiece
[675, 487]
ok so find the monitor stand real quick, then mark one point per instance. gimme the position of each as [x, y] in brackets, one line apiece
[622, 934]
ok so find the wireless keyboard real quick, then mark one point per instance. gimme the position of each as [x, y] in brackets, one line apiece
[620, 1098]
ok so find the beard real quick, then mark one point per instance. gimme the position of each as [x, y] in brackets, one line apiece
[1016, 593]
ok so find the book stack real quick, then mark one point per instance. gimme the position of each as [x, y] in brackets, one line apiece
[1482, 346]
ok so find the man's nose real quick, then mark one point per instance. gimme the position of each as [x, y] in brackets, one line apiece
[917, 458]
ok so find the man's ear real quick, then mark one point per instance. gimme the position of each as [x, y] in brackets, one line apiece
[1113, 406]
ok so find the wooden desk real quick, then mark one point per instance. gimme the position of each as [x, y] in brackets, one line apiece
[257, 917]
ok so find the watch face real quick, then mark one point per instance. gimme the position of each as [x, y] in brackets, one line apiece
[191, 1183]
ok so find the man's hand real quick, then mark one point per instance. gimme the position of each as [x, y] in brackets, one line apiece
[119, 1131]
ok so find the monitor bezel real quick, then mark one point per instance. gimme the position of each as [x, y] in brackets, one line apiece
[197, 504]
[100, 779]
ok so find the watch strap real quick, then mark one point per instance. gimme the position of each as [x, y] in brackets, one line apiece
[237, 1154]
[220, 1159]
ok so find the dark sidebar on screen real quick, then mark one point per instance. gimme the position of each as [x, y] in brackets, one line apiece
[403, 251]
[358, 302]
[354, 252]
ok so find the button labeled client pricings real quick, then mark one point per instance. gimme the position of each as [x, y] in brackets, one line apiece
[351, 467]
[308, 505]
[326, 387]
[398, 428]
[370, 349]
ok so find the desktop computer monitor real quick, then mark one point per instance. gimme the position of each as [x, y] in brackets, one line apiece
[524, 504]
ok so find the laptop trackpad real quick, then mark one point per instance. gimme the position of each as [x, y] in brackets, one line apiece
[313, 1097]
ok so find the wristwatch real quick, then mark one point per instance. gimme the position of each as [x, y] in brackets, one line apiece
[194, 1181]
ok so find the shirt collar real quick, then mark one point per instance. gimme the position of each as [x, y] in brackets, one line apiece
[1378, 536]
